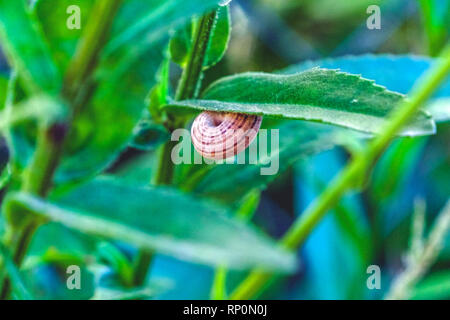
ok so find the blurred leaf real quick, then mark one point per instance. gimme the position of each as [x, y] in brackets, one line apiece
[440, 109]
[153, 19]
[28, 53]
[104, 126]
[248, 205]
[297, 140]
[20, 290]
[160, 92]
[435, 286]
[39, 107]
[393, 178]
[319, 95]
[181, 42]
[434, 14]
[148, 135]
[139, 170]
[117, 261]
[123, 294]
[340, 242]
[163, 220]
[341, 10]
[394, 166]
[69, 241]
[48, 281]
[53, 17]
[4, 80]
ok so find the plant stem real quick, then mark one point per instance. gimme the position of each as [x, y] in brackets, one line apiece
[142, 264]
[164, 171]
[50, 143]
[218, 289]
[345, 181]
[187, 89]
[192, 75]
[420, 262]
[435, 32]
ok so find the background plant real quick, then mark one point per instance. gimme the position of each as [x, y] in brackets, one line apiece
[78, 104]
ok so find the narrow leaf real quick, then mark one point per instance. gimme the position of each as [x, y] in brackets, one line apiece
[124, 76]
[181, 42]
[163, 220]
[435, 286]
[18, 284]
[3, 90]
[220, 37]
[23, 42]
[39, 107]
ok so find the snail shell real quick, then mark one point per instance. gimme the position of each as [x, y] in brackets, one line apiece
[219, 135]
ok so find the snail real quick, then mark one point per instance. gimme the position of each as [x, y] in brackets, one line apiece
[221, 135]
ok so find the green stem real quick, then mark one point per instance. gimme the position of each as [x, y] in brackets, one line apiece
[218, 289]
[142, 264]
[345, 181]
[187, 89]
[38, 177]
[192, 75]
[435, 32]
[164, 172]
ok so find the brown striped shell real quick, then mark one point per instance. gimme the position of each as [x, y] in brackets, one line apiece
[219, 135]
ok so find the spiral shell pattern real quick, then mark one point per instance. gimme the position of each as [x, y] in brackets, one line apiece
[219, 135]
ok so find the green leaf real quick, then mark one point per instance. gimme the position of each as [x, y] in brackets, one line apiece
[435, 286]
[393, 168]
[152, 20]
[125, 74]
[123, 294]
[47, 276]
[19, 288]
[149, 135]
[118, 262]
[230, 183]
[160, 219]
[39, 107]
[3, 90]
[181, 42]
[160, 93]
[396, 72]
[321, 95]
[25, 48]
[53, 17]
[220, 37]
[248, 205]
[439, 109]
[138, 170]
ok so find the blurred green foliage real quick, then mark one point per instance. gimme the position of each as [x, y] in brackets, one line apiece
[121, 124]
